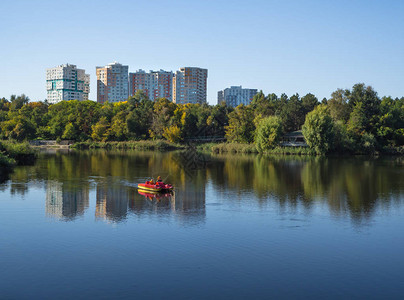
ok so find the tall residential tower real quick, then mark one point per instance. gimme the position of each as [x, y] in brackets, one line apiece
[236, 95]
[190, 85]
[155, 84]
[112, 83]
[66, 82]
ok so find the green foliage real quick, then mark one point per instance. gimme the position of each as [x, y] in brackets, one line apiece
[131, 145]
[70, 132]
[241, 126]
[21, 153]
[292, 113]
[318, 130]
[173, 134]
[268, 133]
[362, 122]
[163, 111]
[234, 148]
[338, 105]
[100, 130]
[6, 163]
[118, 130]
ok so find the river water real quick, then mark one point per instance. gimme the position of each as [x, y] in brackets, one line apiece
[75, 226]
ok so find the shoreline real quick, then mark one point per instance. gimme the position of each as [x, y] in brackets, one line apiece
[214, 148]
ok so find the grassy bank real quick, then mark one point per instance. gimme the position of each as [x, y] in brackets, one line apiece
[250, 148]
[163, 145]
[131, 145]
[17, 153]
[6, 163]
[234, 148]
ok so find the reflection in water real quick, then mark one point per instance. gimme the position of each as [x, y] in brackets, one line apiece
[112, 201]
[352, 186]
[246, 226]
[65, 202]
[4, 175]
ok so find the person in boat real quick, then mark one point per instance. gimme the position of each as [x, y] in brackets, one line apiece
[159, 179]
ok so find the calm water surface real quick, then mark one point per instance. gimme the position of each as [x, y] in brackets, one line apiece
[74, 226]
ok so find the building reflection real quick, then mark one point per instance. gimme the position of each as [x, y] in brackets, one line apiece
[189, 203]
[186, 204]
[112, 201]
[65, 201]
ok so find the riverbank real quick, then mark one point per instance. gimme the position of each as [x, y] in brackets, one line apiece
[160, 145]
[236, 148]
[14, 153]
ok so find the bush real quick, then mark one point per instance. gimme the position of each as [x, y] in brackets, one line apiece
[6, 162]
[22, 153]
[318, 130]
[268, 133]
[131, 145]
[173, 134]
[368, 143]
[234, 148]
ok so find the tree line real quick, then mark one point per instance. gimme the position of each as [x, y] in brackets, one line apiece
[353, 120]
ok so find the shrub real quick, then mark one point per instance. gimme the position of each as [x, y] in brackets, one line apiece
[268, 133]
[173, 134]
[318, 130]
[22, 153]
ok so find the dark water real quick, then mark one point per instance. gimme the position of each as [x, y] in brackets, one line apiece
[74, 226]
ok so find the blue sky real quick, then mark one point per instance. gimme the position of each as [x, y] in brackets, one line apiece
[277, 46]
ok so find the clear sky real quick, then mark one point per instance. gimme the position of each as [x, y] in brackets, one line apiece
[277, 46]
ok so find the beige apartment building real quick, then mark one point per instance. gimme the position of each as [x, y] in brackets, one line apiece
[190, 85]
[112, 83]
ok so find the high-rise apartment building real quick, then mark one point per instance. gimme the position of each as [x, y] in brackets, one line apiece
[190, 85]
[66, 82]
[112, 83]
[155, 84]
[236, 95]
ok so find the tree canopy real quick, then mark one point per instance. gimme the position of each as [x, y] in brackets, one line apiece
[359, 120]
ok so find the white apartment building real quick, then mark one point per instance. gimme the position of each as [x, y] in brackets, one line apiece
[112, 83]
[190, 85]
[236, 95]
[66, 82]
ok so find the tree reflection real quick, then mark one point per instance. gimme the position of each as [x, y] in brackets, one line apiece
[348, 186]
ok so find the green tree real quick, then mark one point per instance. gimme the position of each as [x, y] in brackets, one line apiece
[339, 106]
[100, 130]
[268, 133]
[118, 130]
[292, 114]
[309, 102]
[218, 119]
[357, 120]
[318, 130]
[241, 125]
[370, 104]
[18, 101]
[163, 110]
[172, 133]
[70, 132]
[18, 128]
